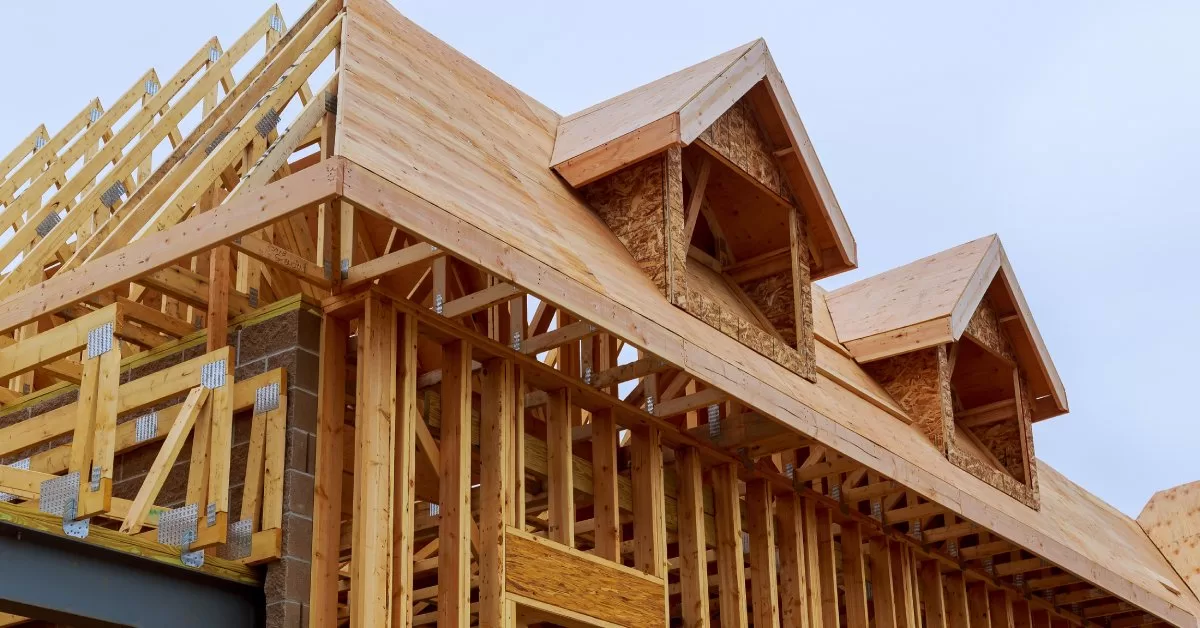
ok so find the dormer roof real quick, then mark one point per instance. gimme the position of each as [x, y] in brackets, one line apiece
[931, 301]
[676, 109]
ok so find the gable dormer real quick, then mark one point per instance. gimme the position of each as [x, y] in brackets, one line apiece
[951, 339]
[708, 179]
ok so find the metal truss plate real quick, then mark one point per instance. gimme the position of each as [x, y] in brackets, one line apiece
[23, 463]
[55, 494]
[146, 427]
[239, 540]
[211, 515]
[216, 142]
[212, 375]
[516, 341]
[39, 142]
[253, 296]
[267, 122]
[650, 404]
[49, 222]
[72, 528]
[94, 114]
[266, 398]
[276, 23]
[714, 422]
[151, 87]
[113, 194]
[100, 340]
[195, 559]
[214, 54]
[439, 303]
[94, 485]
[177, 527]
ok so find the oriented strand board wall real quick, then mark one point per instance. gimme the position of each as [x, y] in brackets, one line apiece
[1172, 520]
[737, 137]
[643, 206]
[984, 327]
[920, 383]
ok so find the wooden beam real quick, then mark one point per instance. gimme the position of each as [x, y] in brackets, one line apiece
[573, 332]
[384, 264]
[164, 460]
[693, 554]
[827, 574]
[373, 465]
[1000, 606]
[454, 552]
[760, 519]
[730, 566]
[812, 562]
[901, 562]
[481, 300]
[327, 500]
[689, 403]
[496, 472]
[559, 472]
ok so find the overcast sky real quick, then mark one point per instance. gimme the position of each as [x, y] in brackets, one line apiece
[1070, 128]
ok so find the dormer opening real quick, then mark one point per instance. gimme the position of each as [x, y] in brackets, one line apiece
[989, 416]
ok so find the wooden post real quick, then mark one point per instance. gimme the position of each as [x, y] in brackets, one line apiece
[327, 500]
[693, 554]
[957, 608]
[933, 595]
[606, 513]
[516, 446]
[371, 568]
[1022, 617]
[454, 536]
[218, 298]
[760, 521]
[730, 567]
[882, 588]
[1000, 606]
[404, 471]
[496, 470]
[812, 563]
[560, 468]
[827, 559]
[854, 575]
[793, 584]
[977, 605]
[906, 613]
[1040, 618]
[649, 503]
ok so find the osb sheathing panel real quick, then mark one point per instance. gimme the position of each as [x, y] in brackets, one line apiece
[984, 327]
[920, 383]
[1004, 441]
[643, 206]
[738, 138]
[995, 477]
[775, 297]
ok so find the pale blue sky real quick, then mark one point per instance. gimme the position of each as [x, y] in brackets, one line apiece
[1070, 128]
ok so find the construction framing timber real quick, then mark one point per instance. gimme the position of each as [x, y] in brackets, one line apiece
[558, 371]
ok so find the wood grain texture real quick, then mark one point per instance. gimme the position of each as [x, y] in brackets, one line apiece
[579, 582]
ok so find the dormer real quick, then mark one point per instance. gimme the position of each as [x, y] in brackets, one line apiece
[709, 180]
[952, 340]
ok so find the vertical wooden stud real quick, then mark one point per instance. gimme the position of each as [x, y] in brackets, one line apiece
[559, 469]
[404, 470]
[932, 595]
[812, 563]
[1022, 617]
[854, 575]
[827, 560]
[517, 450]
[454, 538]
[957, 607]
[604, 482]
[373, 472]
[218, 298]
[978, 605]
[496, 473]
[760, 519]
[730, 566]
[693, 554]
[793, 584]
[649, 506]
[1000, 607]
[906, 614]
[327, 500]
[882, 589]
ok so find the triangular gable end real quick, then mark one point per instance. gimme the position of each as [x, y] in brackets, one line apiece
[677, 110]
